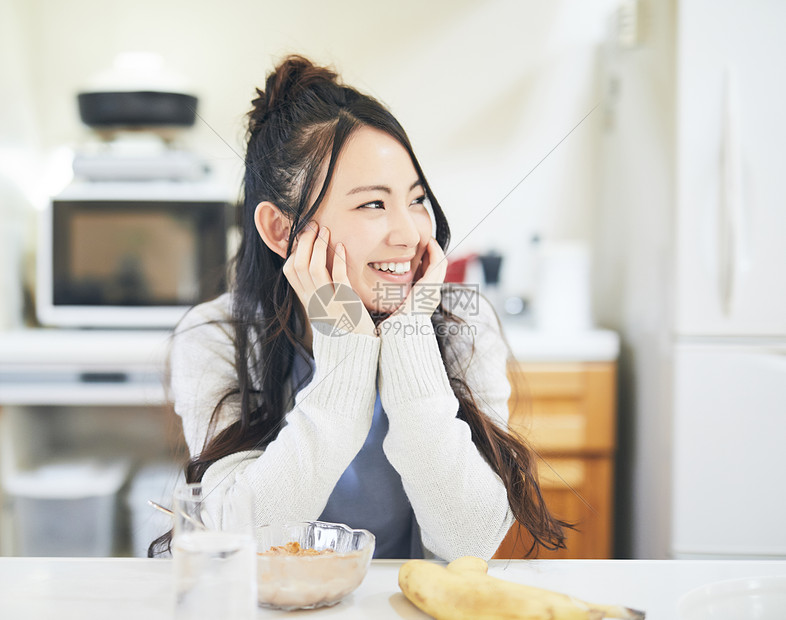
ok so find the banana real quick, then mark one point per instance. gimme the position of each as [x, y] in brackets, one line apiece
[469, 563]
[464, 591]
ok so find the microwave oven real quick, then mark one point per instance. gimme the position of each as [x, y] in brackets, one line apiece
[134, 254]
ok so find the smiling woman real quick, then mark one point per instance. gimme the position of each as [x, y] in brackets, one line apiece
[325, 379]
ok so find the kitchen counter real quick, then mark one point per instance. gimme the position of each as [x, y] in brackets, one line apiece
[50, 366]
[528, 344]
[147, 348]
[121, 588]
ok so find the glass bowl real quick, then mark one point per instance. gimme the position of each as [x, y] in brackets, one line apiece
[756, 598]
[336, 564]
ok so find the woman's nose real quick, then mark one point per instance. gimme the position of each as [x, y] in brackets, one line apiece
[403, 230]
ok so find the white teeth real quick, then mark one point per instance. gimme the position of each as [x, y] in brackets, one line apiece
[393, 267]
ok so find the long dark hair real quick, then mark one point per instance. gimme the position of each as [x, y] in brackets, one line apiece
[301, 120]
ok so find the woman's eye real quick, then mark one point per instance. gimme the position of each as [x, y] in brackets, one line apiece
[379, 204]
[376, 204]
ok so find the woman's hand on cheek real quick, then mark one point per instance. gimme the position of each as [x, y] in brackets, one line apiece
[325, 297]
[426, 292]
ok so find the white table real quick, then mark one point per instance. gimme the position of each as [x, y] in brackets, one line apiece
[118, 588]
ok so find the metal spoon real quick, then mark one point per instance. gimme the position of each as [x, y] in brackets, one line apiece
[166, 511]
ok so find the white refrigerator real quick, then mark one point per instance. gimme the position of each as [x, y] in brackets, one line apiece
[701, 218]
[729, 386]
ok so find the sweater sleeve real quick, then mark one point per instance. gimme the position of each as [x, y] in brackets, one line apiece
[294, 476]
[460, 503]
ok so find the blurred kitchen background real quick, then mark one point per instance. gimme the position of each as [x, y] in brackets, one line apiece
[610, 171]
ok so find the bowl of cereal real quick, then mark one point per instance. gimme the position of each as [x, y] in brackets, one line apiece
[310, 564]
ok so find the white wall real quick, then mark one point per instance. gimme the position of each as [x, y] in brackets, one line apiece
[485, 89]
[18, 147]
[634, 241]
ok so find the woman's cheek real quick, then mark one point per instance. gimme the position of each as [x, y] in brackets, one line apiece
[354, 272]
[425, 226]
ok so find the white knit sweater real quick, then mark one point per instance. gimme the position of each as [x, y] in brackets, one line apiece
[460, 503]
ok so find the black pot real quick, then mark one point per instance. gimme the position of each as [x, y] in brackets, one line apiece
[137, 108]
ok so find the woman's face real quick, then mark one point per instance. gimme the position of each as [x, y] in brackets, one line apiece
[375, 207]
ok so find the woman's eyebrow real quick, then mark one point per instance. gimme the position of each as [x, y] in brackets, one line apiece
[380, 188]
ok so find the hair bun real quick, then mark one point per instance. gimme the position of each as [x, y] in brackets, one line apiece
[258, 113]
[294, 76]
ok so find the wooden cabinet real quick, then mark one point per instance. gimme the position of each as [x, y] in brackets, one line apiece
[567, 412]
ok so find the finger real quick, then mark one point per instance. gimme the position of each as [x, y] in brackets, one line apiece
[340, 276]
[341, 257]
[433, 277]
[433, 263]
[422, 265]
[295, 272]
[438, 263]
[301, 258]
[292, 277]
[305, 247]
[340, 273]
[318, 264]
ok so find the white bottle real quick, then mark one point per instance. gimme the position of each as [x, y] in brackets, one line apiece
[562, 291]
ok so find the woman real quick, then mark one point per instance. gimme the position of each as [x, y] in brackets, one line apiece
[388, 414]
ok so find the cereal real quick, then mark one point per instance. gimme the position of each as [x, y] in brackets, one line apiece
[294, 548]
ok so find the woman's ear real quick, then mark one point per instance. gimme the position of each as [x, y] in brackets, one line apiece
[273, 227]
